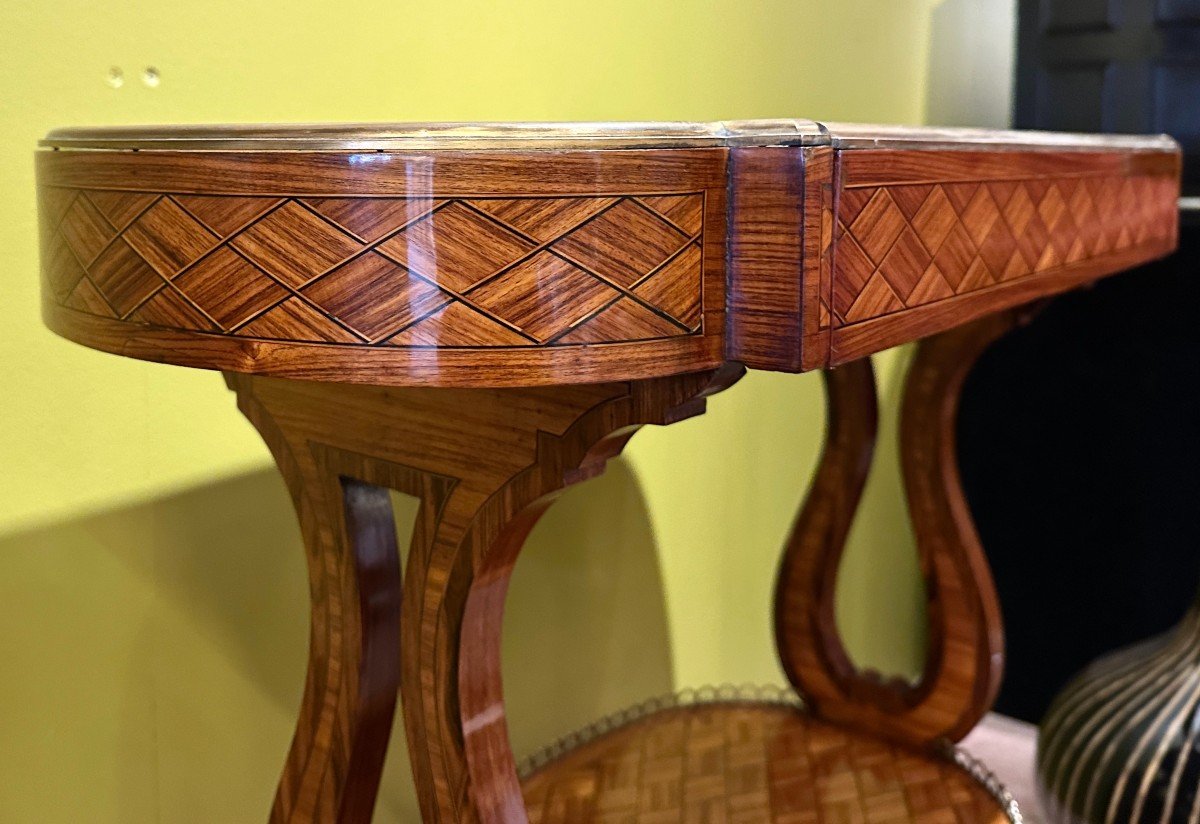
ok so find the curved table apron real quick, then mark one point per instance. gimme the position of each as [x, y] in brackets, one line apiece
[482, 315]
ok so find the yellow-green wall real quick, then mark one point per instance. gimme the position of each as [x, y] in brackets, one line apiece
[152, 595]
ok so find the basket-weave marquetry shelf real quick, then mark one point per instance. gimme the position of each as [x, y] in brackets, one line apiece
[482, 315]
[752, 763]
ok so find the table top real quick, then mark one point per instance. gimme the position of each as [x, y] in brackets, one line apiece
[532, 254]
[581, 135]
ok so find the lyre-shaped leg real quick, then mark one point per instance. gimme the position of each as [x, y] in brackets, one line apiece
[485, 464]
[965, 651]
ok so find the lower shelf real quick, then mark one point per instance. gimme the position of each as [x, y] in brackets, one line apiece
[739, 763]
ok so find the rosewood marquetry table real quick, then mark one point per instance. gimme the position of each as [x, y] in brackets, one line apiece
[480, 316]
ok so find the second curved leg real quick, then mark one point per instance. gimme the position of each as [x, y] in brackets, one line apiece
[964, 662]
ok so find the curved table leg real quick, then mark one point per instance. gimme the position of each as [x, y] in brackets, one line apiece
[485, 464]
[965, 652]
[354, 581]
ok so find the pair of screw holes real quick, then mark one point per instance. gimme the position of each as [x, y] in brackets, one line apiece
[150, 77]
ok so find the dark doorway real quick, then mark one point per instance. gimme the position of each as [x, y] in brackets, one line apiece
[1079, 435]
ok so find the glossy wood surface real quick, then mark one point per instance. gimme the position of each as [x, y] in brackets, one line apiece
[766, 255]
[485, 464]
[925, 241]
[484, 315]
[752, 763]
[453, 256]
[454, 268]
[965, 652]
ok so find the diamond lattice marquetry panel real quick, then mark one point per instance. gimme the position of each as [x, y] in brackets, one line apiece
[518, 271]
[206, 286]
[85, 230]
[375, 296]
[624, 243]
[903, 246]
[456, 247]
[295, 245]
[168, 238]
[123, 276]
[515, 297]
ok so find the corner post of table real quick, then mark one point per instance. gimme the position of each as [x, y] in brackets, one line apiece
[964, 660]
[484, 464]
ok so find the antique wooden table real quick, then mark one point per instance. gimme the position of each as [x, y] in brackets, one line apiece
[480, 316]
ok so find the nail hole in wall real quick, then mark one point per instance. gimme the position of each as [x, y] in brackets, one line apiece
[116, 77]
[151, 77]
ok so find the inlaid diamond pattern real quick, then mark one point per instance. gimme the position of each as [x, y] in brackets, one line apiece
[85, 298]
[294, 245]
[169, 308]
[903, 246]
[296, 320]
[85, 230]
[904, 263]
[878, 225]
[375, 296]
[517, 271]
[456, 246]
[935, 217]
[123, 277]
[225, 215]
[544, 219]
[675, 287]
[120, 208]
[622, 244]
[168, 238]
[61, 270]
[516, 297]
[372, 218]
[981, 213]
[685, 212]
[53, 203]
[207, 285]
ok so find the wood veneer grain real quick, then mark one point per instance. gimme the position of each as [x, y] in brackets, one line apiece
[766, 253]
[751, 763]
[927, 240]
[485, 464]
[380, 268]
[480, 324]
[515, 267]
[965, 653]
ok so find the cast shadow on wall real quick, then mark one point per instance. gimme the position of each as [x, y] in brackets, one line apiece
[214, 579]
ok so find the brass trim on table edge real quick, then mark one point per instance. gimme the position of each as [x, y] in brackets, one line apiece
[352, 137]
[451, 135]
